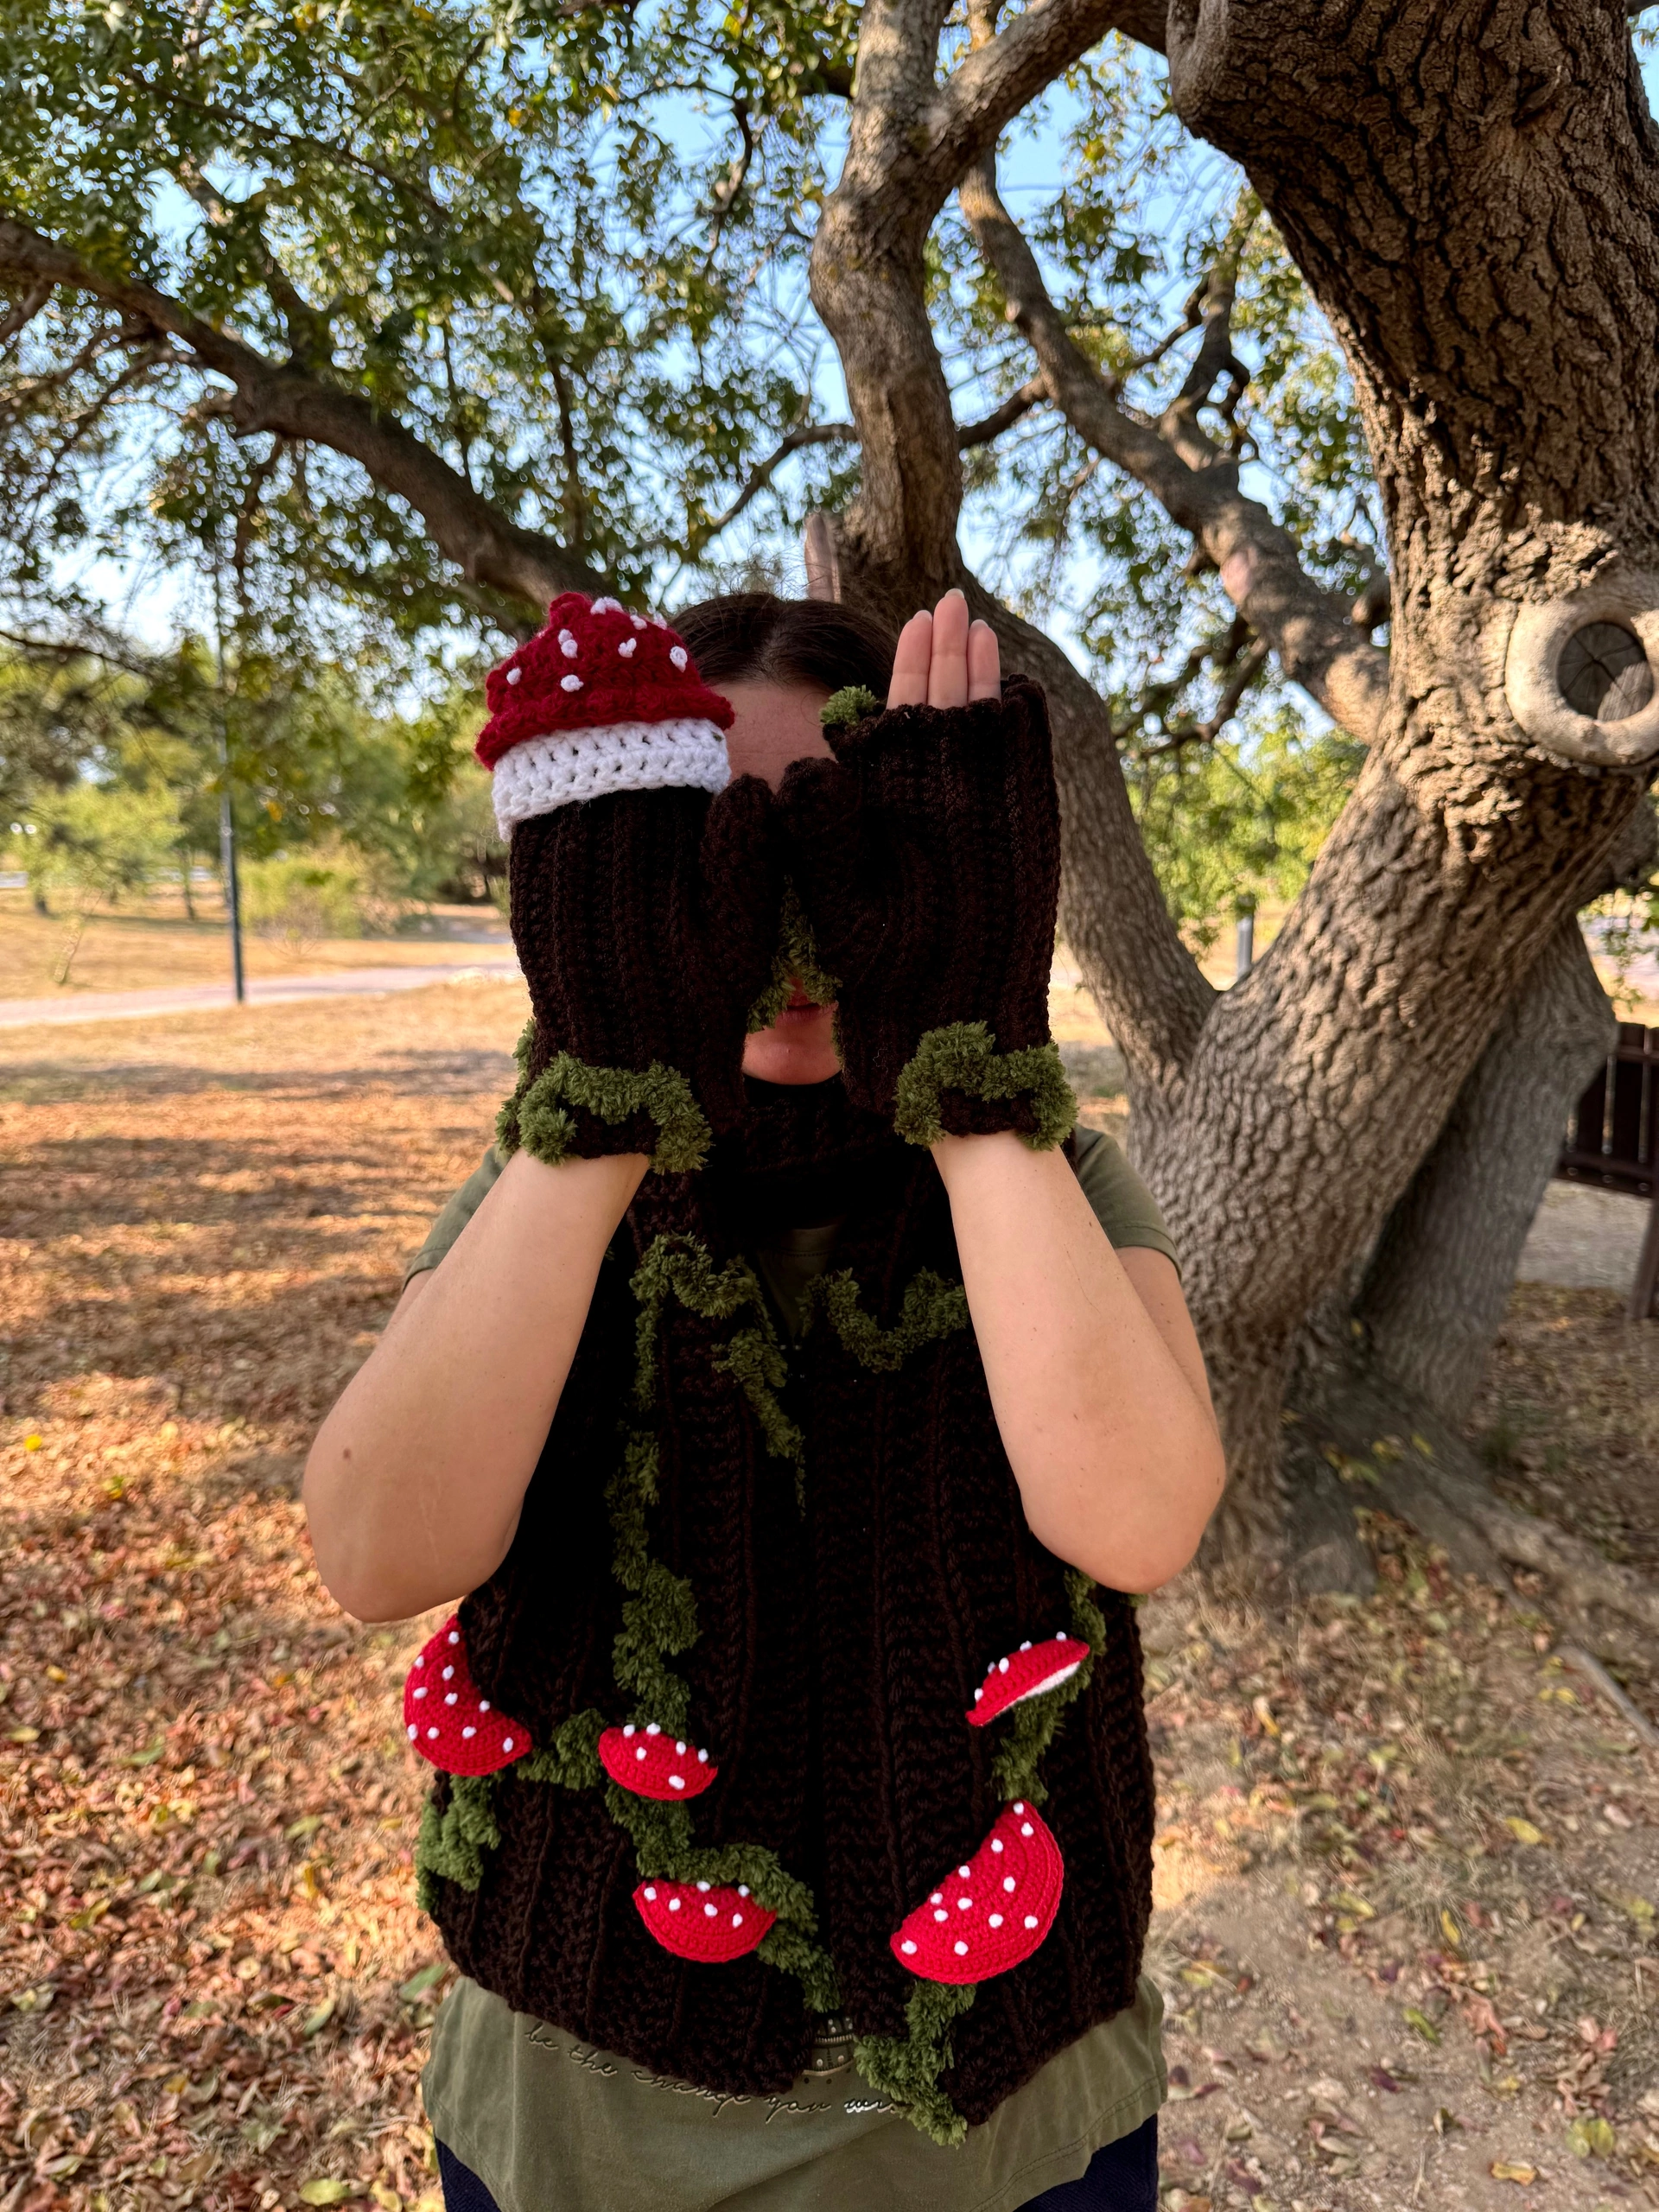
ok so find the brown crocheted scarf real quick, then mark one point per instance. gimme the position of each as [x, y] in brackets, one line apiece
[803, 1556]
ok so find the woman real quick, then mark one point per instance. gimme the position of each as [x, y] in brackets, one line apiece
[796, 1397]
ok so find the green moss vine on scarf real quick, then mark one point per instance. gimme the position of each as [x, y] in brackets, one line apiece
[963, 1057]
[1028, 1728]
[452, 1840]
[571, 1760]
[796, 960]
[664, 1851]
[908, 2068]
[931, 1308]
[680, 1267]
[659, 1615]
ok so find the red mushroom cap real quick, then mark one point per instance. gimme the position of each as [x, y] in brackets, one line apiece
[1025, 1673]
[653, 1765]
[594, 665]
[993, 1913]
[703, 1920]
[447, 1722]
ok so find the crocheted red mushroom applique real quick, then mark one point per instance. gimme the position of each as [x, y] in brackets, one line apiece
[653, 1765]
[1025, 1673]
[447, 1720]
[705, 1921]
[601, 700]
[993, 1913]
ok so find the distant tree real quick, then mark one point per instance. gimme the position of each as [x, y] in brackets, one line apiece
[415, 316]
[93, 846]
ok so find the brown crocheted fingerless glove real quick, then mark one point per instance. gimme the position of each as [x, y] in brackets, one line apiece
[927, 856]
[646, 922]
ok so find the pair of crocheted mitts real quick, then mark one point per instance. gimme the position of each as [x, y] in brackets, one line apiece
[659, 908]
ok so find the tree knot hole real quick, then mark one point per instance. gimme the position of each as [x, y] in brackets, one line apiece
[1603, 672]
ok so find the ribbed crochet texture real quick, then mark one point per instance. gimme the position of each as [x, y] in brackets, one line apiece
[927, 857]
[646, 924]
[823, 1645]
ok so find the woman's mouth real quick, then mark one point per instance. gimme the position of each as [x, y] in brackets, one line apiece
[800, 1009]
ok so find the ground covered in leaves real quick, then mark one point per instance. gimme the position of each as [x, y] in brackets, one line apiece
[1407, 1876]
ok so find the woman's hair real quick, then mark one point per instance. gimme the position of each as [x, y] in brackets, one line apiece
[750, 634]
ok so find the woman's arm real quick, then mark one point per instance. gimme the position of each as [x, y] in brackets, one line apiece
[1096, 1377]
[413, 1485]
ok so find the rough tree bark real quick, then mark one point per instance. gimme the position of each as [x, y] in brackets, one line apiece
[1493, 286]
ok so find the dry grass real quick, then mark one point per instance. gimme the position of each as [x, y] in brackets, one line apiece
[1407, 1881]
[153, 944]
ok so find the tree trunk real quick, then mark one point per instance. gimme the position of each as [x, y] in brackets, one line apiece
[1435, 1291]
[1491, 285]
[1496, 287]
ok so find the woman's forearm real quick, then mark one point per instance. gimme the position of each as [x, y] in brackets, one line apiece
[1102, 1406]
[415, 1482]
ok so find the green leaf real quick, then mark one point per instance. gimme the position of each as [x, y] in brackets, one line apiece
[1589, 2138]
[428, 1978]
[1422, 2025]
[320, 2016]
[329, 2192]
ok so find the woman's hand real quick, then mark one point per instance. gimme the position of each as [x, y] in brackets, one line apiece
[945, 660]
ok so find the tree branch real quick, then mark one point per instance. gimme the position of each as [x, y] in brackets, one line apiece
[1310, 629]
[17, 319]
[809, 434]
[1013, 408]
[1211, 307]
[487, 548]
[990, 85]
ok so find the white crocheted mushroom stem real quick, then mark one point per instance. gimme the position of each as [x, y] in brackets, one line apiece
[547, 772]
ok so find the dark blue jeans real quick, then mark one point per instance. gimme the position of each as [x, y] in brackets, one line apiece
[1122, 2176]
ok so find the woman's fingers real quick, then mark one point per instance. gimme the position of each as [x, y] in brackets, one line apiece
[984, 662]
[943, 660]
[947, 677]
[911, 662]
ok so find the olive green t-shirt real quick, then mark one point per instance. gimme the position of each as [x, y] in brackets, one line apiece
[549, 2124]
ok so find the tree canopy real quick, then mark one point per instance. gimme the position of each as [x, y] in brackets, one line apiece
[556, 258]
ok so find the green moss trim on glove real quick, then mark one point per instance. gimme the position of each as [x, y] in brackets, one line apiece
[536, 1115]
[851, 703]
[907, 2069]
[964, 1058]
[795, 961]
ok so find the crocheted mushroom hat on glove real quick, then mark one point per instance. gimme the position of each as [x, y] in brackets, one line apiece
[600, 700]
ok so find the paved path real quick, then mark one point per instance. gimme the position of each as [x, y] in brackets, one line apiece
[263, 990]
[1584, 1239]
